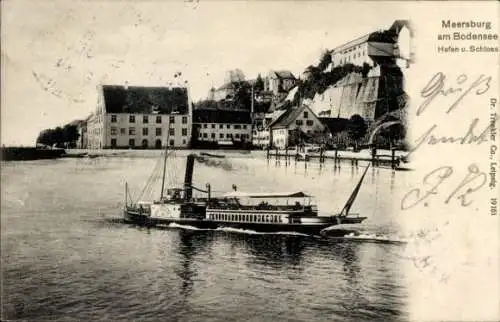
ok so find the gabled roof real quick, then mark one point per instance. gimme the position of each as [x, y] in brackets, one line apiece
[288, 117]
[284, 74]
[145, 100]
[376, 36]
[221, 116]
[351, 43]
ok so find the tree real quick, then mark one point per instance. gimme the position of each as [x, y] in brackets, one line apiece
[58, 136]
[325, 60]
[393, 133]
[259, 84]
[46, 137]
[365, 70]
[356, 128]
[70, 134]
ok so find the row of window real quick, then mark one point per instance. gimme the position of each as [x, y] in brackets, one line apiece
[228, 126]
[95, 131]
[144, 143]
[308, 122]
[145, 119]
[221, 135]
[246, 217]
[145, 131]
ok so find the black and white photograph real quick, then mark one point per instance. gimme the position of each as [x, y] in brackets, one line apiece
[240, 161]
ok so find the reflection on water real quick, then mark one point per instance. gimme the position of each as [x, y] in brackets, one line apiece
[64, 257]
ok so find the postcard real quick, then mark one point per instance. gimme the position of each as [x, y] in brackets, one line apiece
[250, 160]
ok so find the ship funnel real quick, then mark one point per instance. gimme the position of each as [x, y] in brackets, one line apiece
[188, 178]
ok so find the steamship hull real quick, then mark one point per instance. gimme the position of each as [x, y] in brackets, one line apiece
[311, 226]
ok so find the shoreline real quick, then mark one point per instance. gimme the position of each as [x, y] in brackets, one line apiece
[384, 157]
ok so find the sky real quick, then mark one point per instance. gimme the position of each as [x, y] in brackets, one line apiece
[55, 54]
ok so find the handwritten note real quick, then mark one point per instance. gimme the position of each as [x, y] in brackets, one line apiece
[479, 131]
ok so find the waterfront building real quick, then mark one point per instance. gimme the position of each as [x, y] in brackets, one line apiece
[294, 120]
[261, 134]
[222, 126]
[140, 117]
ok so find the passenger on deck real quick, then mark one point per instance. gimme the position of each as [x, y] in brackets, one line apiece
[297, 205]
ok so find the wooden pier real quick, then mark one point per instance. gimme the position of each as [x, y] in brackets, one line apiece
[382, 161]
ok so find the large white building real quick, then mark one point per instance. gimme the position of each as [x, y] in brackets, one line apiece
[221, 126]
[393, 44]
[140, 117]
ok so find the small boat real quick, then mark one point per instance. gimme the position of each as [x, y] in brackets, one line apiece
[212, 155]
[268, 212]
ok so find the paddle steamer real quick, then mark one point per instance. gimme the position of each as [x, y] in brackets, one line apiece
[269, 212]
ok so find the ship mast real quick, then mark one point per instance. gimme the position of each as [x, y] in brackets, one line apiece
[165, 163]
[350, 201]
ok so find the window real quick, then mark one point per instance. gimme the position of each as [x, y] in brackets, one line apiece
[221, 126]
[183, 141]
[171, 131]
[212, 135]
[228, 126]
[205, 135]
[306, 115]
[123, 130]
[145, 119]
[184, 132]
[113, 118]
[237, 136]
[184, 120]
[244, 127]
[298, 122]
[213, 126]
[131, 142]
[171, 142]
[171, 119]
[237, 126]
[113, 130]
[131, 118]
[205, 126]
[113, 143]
[228, 136]
[309, 122]
[158, 131]
[158, 119]
[145, 131]
[221, 135]
[131, 131]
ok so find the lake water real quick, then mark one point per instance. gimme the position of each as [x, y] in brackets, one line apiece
[66, 257]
